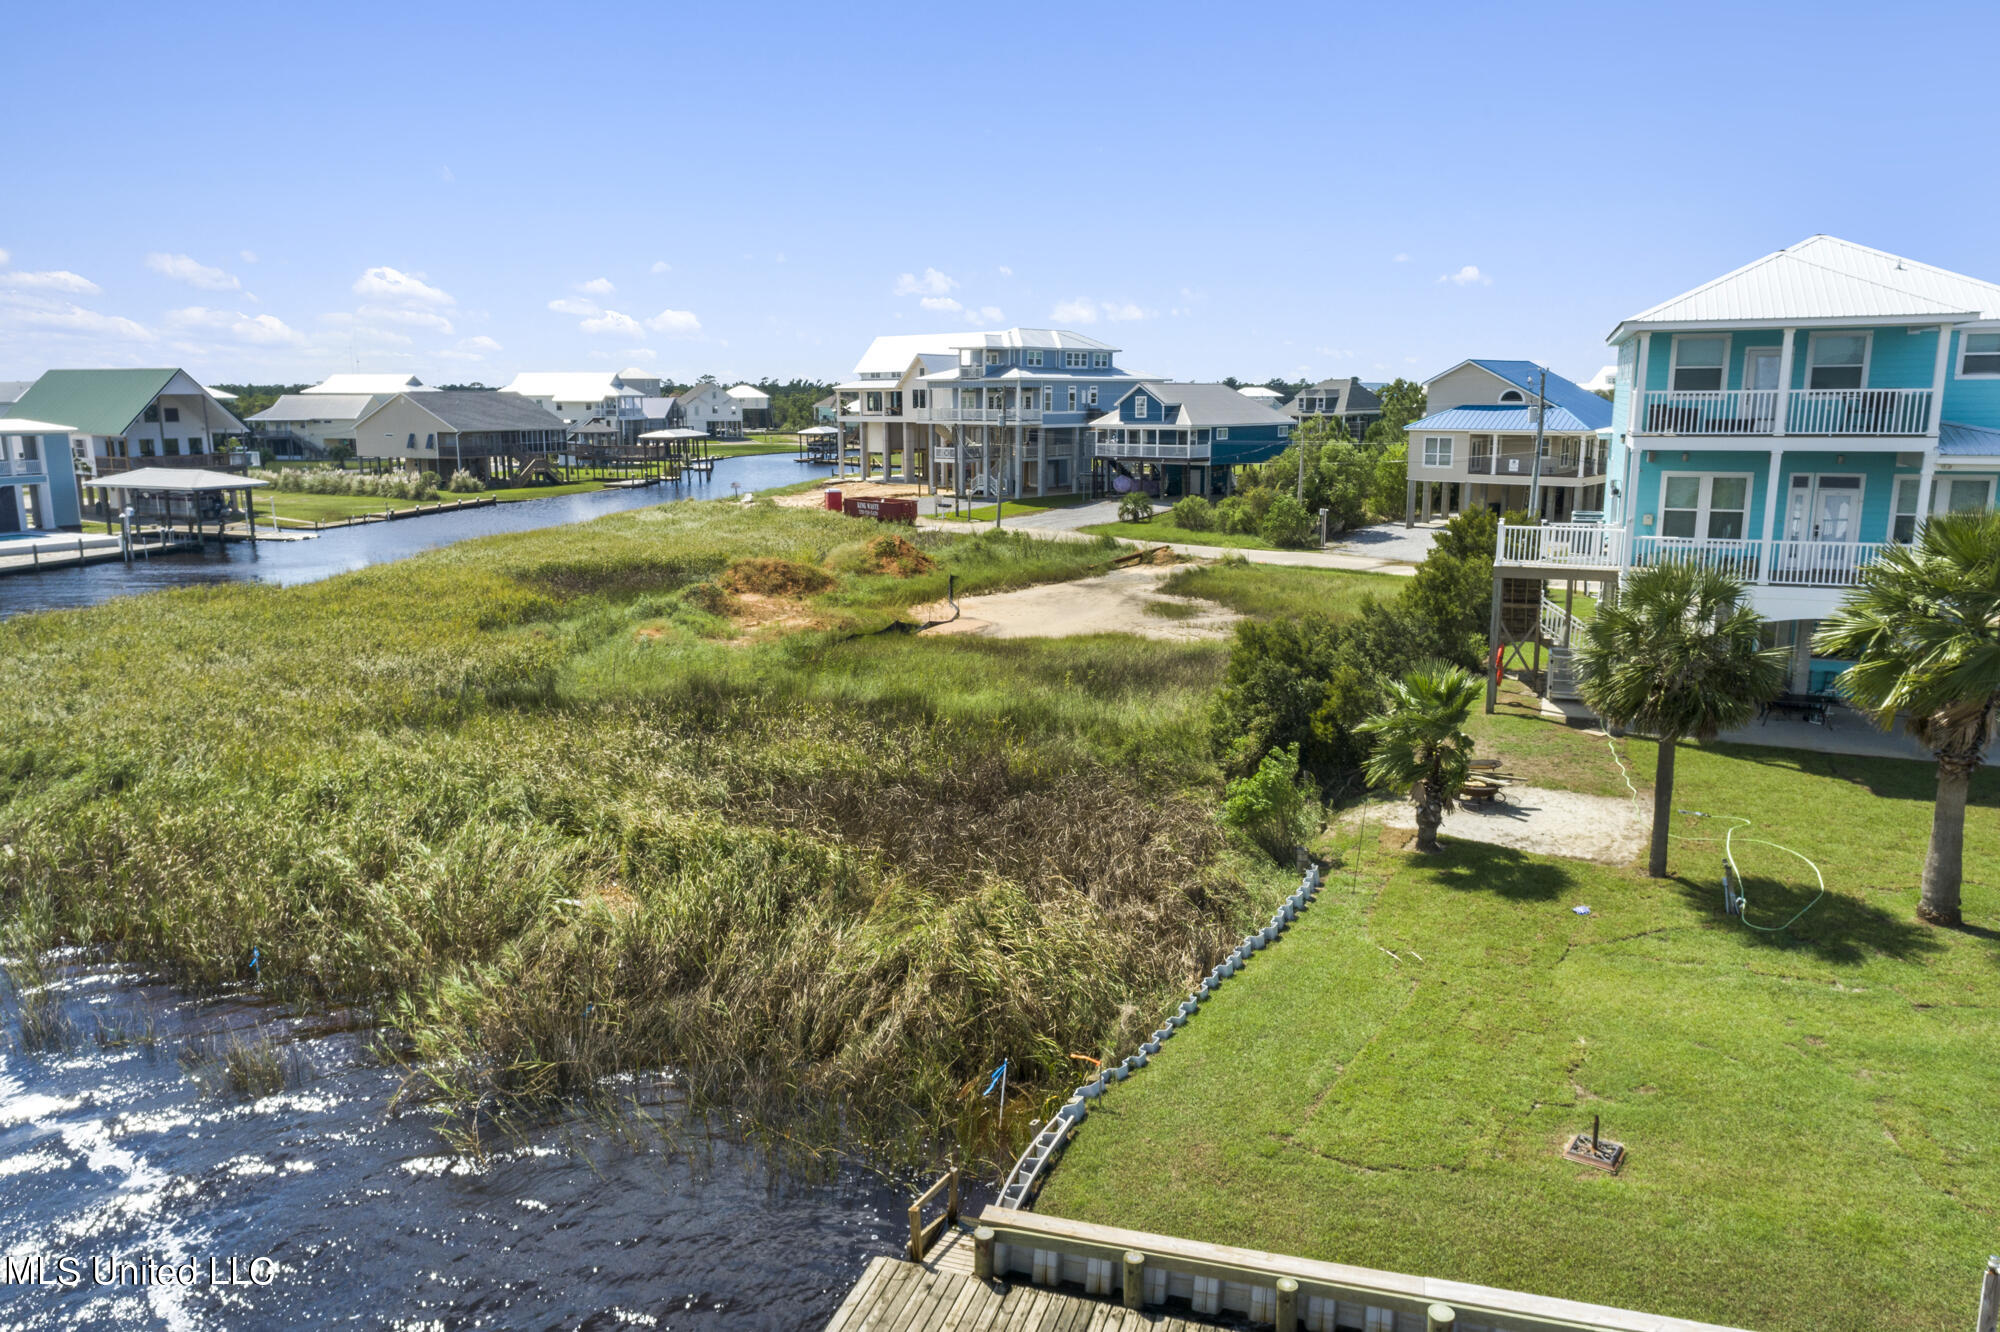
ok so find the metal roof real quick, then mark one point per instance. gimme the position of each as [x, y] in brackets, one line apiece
[1201, 405]
[1955, 440]
[472, 410]
[1573, 397]
[685, 434]
[365, 382]
[317, 407]
[570, 386]
[19, 425]
[1047, 339]
[891, 355]
[1827, 279]
[1508, 419]
[107, 402]
[749, 393]
[1353, 397]
[12, 389]
[175, 478]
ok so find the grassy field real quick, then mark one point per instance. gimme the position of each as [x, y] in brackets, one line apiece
[651, 790]
[1159, 528]
[1266, 591]
[756, 444]
[1808, 1114]
[1020, 507]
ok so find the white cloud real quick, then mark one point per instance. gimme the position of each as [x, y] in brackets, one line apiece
[4, 257]
[610, 321]
[387, 314]
[247, 256]
[444, 174]
[642, 353]
[680, 323]
[662, 266]
[1006, 271]
[60, 279]
[597, 286]
[1400, 259]
[64, 317]
[478, 343]
[571, 305]
[1335, 353]
[940, 303]
[932, 283]
[389, 284]
[990, 314]
[184, 268]
[1467, 276]
[1074, 312]
[1123, 313]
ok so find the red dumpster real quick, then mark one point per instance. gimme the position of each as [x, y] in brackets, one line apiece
[882, 510]
[833, 500]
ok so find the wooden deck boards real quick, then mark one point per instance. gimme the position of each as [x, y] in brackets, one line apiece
[940, 1295]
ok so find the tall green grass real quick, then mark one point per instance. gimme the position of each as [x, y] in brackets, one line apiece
[537, 802]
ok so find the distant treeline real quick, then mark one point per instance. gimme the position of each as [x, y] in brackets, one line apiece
[254, 398]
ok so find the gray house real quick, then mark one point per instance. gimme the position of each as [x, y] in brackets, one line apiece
[1348, 399]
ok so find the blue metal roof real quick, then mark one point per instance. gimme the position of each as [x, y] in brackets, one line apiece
[1592, 411]
[1512, 419]
[1957, 440]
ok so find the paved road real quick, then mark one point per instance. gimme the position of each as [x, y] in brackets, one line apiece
[1361, 550]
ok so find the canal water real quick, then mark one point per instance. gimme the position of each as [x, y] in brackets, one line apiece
[343, 549]
[122, 1163]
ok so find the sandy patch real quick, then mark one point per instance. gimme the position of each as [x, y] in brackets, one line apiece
[816, 499]
[1113, 603]
[1608, 829]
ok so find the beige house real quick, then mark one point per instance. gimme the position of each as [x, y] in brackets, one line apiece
[1476, 449]
[443, 430]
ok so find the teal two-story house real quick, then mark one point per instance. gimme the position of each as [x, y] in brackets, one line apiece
[1788, 422]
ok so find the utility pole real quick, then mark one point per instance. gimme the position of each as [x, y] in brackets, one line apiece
[1000, 476]
[1541, 419]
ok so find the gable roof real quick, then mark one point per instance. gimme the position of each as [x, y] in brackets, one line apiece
[749, 393]
[1351, 395]
[107, 402]
[569, 386]
[472, 410]
[693, 391]
[1591, 411]
[318, 407]
[892, 354]
[12, 389]
[1825, 278]
[1203, 405]
[366, 382]
[1048, 339]
[1509, 418]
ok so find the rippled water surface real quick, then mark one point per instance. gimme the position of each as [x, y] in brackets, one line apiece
[366, 1219]
[341, 550]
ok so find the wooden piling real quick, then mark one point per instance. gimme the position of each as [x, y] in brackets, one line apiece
[1135, 1279]
[982, 1253]
[1288, 1305]
[1440, 1318]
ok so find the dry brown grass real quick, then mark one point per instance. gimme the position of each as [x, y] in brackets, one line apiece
[764, 575]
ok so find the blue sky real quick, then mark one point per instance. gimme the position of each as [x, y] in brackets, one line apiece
[282, 191]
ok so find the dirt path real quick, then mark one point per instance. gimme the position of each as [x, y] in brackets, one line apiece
[1610, 830]
[1113, 603]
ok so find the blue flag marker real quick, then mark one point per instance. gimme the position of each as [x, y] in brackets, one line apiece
[994, 1081]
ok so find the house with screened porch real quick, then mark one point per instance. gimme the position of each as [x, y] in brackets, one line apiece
[1788, 422]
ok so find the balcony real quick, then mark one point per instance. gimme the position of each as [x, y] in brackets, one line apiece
[1740, 412]
[987, 415]
[1576, 547]
[1521, 466]
[1163, 452]
[23, 467]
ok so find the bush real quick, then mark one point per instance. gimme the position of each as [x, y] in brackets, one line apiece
[1286, 523]
[1136, 507]
[1273, 805]
[1233, 515]
[464, 483]
[1194, 514]
[334, 481]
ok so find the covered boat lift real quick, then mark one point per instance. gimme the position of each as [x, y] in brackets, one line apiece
[193, 496]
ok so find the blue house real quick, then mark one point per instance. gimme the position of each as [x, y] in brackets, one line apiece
[37, 478]
[1788, 422]
[1477, 448]
[1183, 439]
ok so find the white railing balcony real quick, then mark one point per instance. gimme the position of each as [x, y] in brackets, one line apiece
[1736, 412]
[22, 467]
[1736, 557]
[1178, 452]
[1563, 546]
[987, 415]
[1783, 563]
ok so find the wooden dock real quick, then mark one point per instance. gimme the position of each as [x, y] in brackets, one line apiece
[896, 1295]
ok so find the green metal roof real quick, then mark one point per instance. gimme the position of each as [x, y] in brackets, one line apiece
[93, 402]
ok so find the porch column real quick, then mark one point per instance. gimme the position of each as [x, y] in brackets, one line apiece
[1771, 501]
[1937, 380]
[1410, 503]
[1926, 479]
[1784, 413]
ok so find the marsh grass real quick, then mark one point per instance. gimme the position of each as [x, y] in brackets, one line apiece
[528, 800]
[247, 1067]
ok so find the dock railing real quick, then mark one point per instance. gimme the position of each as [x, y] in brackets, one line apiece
[1216, 1280]
[924, 1233]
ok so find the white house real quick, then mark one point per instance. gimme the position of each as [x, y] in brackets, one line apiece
[132, 418]
[709, 407]
[373, 384]
[579, 397]
[755, 404]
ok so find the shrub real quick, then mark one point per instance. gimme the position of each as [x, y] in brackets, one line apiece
[1273, 805]
[464, 483]
[1194, 514]
[1136, 507]
[1233, 515]
[771, 577]
[1286, 523]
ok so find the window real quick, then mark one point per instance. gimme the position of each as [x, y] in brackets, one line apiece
[1437, 450]
[1979, 354]
[1139, 406]
[992, 356]
[1715, 508]
[875, 401]
[1838, 361]
[413, 440]
[895, 404]
[1075, 360]
[169, 446]
[1100, 360]
[1032, 356]
[194, 443]
[151, 415]
[173, 413]
[1048, 398]
[1908, 492]
[1285, 430]
[1697, 364]
[430, 441]
[1222, 432]
[920, 398]
[1072, 398]
[1965, 494]
[1512, 395]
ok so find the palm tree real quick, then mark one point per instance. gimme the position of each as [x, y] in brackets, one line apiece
[1922, 628]
[1678, 655]
[1421, 744]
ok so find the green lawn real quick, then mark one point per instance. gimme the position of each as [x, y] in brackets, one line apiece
[299, 506]
[1159, 528]
[1809, 1116]
[1267, 591]
[1020, 508]
[753, 445]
